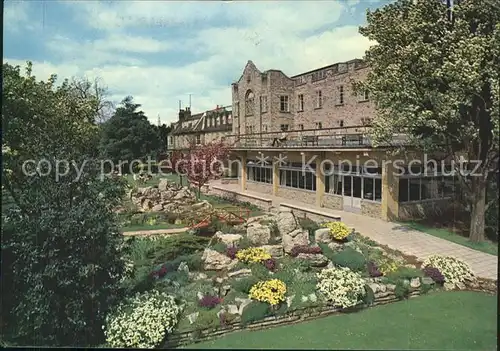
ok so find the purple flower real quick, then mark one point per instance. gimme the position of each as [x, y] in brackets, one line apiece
[373, 270]
[270, 264]
[434, 273]
[209, 301]
[296, 250]
[231, 252]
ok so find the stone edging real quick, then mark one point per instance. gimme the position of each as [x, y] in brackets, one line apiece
[299, 315]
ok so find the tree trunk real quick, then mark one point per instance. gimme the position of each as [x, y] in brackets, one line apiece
[199, 192]
[478, 209]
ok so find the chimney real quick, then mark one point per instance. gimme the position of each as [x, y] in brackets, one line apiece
[188, 112]
[181, 114]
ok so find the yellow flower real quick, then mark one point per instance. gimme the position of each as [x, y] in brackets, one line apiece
[388, 267]
[338, 230]
[253, 254]
[271, 291]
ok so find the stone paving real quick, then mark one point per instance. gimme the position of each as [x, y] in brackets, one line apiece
[399, 237]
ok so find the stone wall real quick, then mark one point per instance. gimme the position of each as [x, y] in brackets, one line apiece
[332, 201]
[262, 188]
[229, 181]
[306, 196]
[300, 315]
[422, 209]
[371, 208]
[235, 196]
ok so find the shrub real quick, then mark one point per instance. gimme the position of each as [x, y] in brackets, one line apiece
[220, 247]
[373, 270]
[231, 252]
[271, 291]
[209, 301]
[454, 270]
[309, 225]
[405, 273]
[207, 319]
[259, 270]
[351, 259]
[402, 289]
[255, 311]
[270, 264]
[369, 297]
[388, 267]
[172, 247]
[341, 286]
[327, 251]
[296, 250]
[244, 284]
[338, 230]
[244, 243]
[434, 273]
[142, 321]
[253, 254]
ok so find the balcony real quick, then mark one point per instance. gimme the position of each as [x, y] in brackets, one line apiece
[327, 138]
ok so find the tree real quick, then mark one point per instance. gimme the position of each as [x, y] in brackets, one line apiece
[437, 81]
[61, 245]
[177, 164]
[129, 136]
[205, 162]
[84, 88]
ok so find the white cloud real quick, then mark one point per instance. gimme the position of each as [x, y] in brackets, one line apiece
[15, 13]
[289, 36]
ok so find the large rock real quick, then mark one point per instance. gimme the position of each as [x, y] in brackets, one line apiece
[228, 239]
[316, 260]
[163, 185]
[215, 261]
[258, 234]
[298, 237]
[286, 222]
[322, 235]
[157, 208]
[275, 251]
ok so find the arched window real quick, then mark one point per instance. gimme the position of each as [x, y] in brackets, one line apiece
[249, 103]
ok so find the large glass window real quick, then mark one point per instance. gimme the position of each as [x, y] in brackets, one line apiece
[296, 177]
[414, 188]
[258, 173]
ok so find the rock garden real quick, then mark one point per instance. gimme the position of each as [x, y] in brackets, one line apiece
[272, 269]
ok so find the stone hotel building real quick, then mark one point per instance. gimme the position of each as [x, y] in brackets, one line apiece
[323, 121]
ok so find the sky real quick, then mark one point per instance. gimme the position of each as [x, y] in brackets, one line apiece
[159, 52]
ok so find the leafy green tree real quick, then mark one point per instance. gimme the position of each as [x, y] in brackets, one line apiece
[436, 79]
[61, 247]
[128, 135]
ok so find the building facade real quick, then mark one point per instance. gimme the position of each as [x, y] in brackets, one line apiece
[271, 101]
[200, 128]
[327, 129]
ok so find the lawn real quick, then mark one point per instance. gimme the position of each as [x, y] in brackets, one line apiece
[143, 227]
[153, 181]
[458, 320]
[486, 246]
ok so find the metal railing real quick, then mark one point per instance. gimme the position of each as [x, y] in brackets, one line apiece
[344, 137]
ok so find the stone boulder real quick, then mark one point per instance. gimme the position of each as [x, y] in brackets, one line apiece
[276, 251]
[316, 260]
[228, 239]
[297, 237]
[322, 235]
[157, 208]
[258, 234]
[286, 222]
[215, 261]
[163, 185]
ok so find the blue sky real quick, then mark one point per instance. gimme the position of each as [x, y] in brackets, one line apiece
[161, 51]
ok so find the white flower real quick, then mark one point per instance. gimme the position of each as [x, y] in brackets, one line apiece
[341, 286]
[453, 270]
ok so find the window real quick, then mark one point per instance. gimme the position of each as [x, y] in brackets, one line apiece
[198, 139]
[341, 123]
[190, 125]
[284, 104]
[284, 127]
[265, 128]
[249, 103]
[319, 99]
[215, 121]
[301, 126]
[415, 188]
[319, 125]
[341, 95]
[237, 109]
[235, 89]
[210, 122]
[366, 95]
[318, 75]
[300, 102]
[257, 173]
[263, 104]
[295, 177]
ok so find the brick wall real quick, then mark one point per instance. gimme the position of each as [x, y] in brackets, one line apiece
[331, 201]
[414, 210]
[262, 188]
[371, 209]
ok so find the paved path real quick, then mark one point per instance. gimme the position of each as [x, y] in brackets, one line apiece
[157, 231]
[399, 237]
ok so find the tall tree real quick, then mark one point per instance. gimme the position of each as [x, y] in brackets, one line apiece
[84, 88]
[61, 246]
[128, 135]
[435, 77]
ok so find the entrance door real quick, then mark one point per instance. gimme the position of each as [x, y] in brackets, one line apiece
[351, 195]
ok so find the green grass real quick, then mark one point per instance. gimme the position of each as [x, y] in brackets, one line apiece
[486, 246]
[438, 321]
[141, 227]
[154, 181]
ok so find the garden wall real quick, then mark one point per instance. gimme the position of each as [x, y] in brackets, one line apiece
[300, 315]
[260, 202]
[310, 213]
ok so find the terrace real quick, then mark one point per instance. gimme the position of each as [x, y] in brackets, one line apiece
[326, 138]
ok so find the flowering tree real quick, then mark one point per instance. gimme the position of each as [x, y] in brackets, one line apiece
[434, 77]
[205, 162]
[177, 164]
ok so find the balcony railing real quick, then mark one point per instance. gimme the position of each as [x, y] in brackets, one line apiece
[345, 137]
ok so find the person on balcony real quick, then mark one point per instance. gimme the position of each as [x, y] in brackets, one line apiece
[281, 140]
